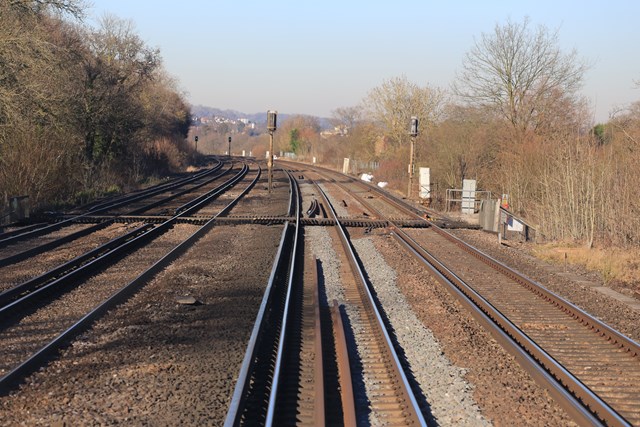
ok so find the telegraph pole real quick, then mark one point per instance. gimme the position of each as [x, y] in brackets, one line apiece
[413, 132]
[271, 127]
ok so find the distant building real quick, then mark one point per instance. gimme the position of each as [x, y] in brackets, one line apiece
[341, 130]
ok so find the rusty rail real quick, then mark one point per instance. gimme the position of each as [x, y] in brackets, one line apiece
[344, 369]
[411, 410]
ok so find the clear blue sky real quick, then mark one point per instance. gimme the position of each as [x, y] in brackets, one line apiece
[312, 57]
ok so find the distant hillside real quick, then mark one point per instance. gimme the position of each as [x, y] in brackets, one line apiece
[257, 118]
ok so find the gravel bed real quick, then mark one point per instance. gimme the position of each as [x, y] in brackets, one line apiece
[336, 194]
[341, 211]
[169, 206]
[321, 245]
[12, 249]
[258, 202]
[379, 204]
[17, 273]
[448, 394]
[212, 207]
[153, 361]
[353, 208]
[221, 201]
[33, 331]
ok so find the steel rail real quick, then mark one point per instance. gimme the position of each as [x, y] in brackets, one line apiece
[570, 308]
[113, 249]
[541, 365]
[100, 208]
[278, 369]
[198, 199]
[262, 323]
[107, 221]
[156, 189]
[34, 362]
[147, 195]
[68, 270]
[602, 328]
[582, 403]
[178, 194]
[318, 369]
[401, 204]
[21, 256]
[22, 230]
[413, 409]
[344, 369]
[207, 197]
[237, 404]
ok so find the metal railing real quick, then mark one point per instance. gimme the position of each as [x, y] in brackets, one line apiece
[476, 198]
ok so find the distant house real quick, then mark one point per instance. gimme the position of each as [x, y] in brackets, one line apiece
[337, 131]
[248, 123]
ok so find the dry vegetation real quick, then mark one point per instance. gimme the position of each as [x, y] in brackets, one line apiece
[82, 110]
[514, 121]
[524, 131]
[613, 264]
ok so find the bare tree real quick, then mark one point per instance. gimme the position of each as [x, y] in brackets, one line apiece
[37, 144]
[78, 103]
[117, 67]
[519, 71]
[37, 7]
[346, 118]
[394, 102]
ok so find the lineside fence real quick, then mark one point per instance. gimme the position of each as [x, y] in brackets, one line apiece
[14, 209]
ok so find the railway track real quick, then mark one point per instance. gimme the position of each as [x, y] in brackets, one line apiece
[20, 235]
[79, 283]
[299, 358]
[20, 251]
[23, 246]
[252, 400]
[323, 350]
[591, 369]
[391, 400]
